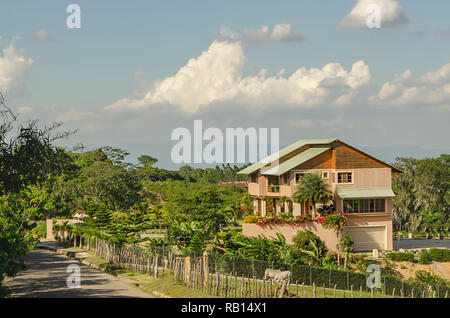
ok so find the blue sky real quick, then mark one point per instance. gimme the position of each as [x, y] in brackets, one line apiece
[76, 73]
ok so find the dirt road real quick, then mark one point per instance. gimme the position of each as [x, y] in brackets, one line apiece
[46, 276]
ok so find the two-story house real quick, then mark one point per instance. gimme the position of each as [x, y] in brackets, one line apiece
[360, 185]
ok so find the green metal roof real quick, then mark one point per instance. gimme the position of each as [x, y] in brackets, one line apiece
[258, 165]
[295, 161]
[365, 193]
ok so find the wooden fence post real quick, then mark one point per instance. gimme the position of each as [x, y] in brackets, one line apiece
[187, 270]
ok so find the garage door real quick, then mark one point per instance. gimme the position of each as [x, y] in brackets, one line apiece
[367, 238]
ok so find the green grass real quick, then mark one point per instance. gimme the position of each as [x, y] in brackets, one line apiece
[166, 285]
[236, 287]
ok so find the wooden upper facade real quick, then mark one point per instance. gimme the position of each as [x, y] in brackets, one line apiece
[364, 171]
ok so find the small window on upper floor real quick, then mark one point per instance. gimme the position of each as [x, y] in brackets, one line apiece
[298, 177]
[325, 175]
[253, 178]
[285, 179]
[344, 177]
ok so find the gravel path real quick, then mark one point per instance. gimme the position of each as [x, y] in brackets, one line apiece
[46, 276]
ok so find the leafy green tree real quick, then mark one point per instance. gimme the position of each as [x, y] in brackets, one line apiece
[312, 188]
[27, 158]
[422, 194]
[336, 222]
[197, 243]
[312, 248]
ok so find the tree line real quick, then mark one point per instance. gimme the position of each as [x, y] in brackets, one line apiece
[422, 196]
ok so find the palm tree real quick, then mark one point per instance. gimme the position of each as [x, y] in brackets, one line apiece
[312, 188]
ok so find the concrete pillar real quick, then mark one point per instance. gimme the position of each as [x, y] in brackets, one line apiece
[286, 206]
[297, 211]
[263, 207]
[255, 207]
[277, 206]
[50, 235]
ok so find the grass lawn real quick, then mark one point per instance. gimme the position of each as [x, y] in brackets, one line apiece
[303, 291]
[165, 285]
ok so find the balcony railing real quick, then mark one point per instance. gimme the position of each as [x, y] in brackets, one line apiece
[273, 188]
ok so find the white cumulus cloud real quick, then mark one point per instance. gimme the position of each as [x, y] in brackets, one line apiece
[216, 76]
[432, 88]
[14, 67]
[391, 14]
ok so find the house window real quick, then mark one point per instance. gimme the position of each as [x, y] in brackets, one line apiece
[253, 178]
[298, 177]
[325, 175]
[274, 184]
[285, 179]
[364, 205]
[345, 177]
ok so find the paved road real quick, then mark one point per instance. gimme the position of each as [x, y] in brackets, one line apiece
[413, 243]
[46, 276]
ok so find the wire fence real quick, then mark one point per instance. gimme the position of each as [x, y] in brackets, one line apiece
[246, 277]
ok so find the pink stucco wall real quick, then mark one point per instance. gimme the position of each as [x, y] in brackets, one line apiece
[326, 235]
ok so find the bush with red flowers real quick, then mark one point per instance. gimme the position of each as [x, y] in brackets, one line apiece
[297, 220]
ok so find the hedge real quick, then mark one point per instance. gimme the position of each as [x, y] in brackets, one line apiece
[439, 254]
[400, 256]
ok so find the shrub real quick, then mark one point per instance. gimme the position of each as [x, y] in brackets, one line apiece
[347, 243]
[439, 254]
[196, 243]
[308, 241]
[401, 256]
[424, 257]
[250, 219]
[429, 279]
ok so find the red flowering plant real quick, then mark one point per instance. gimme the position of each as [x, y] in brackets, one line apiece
[337, 217]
